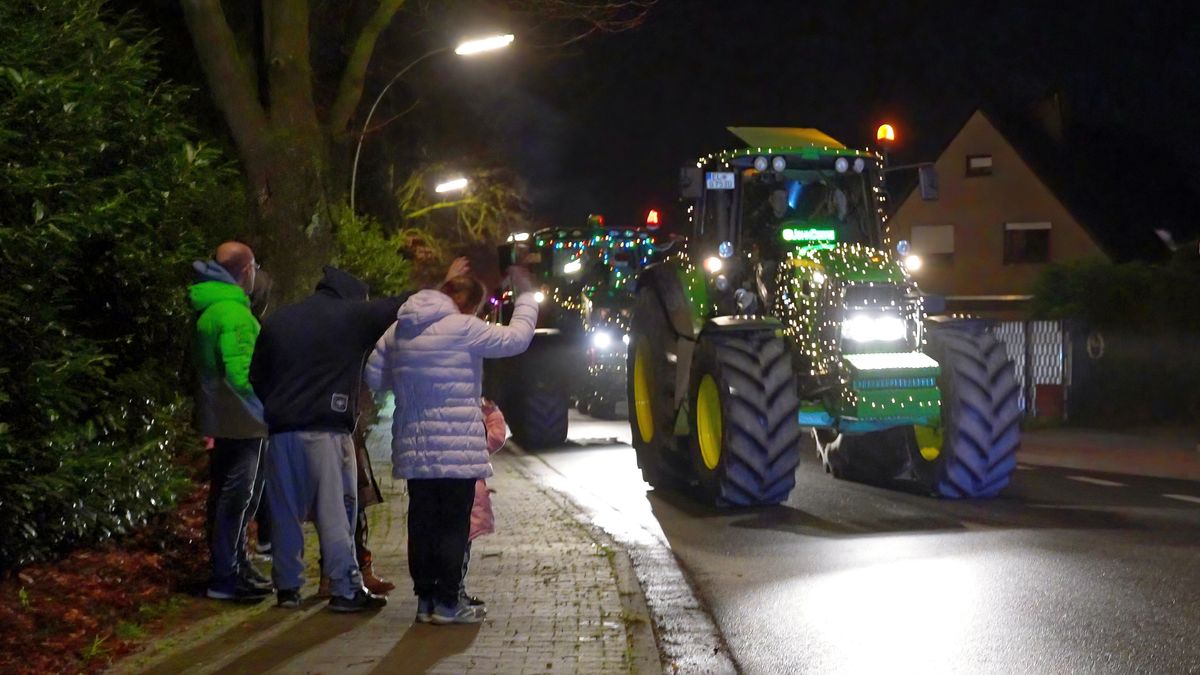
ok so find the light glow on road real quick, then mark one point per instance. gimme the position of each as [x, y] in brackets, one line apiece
[908, 615]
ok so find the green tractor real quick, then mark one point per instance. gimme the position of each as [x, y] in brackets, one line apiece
[586, 278]
[787, 313]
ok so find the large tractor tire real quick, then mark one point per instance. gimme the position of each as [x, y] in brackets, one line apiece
[745, 439]
[541, 418]
[650, 383]
[972, 455]
[981, 415]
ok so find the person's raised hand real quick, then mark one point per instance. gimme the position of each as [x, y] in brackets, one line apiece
[520, 278]
[459, 267]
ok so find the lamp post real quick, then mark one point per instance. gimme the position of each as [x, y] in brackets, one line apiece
[465, 48]
[452, 185]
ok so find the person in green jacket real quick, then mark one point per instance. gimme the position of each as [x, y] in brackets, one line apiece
[228, 411]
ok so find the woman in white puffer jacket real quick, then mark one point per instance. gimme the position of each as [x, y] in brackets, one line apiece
[432, 360]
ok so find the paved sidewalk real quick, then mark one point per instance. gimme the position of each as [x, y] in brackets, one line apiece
[1174, 456]
[561, 599]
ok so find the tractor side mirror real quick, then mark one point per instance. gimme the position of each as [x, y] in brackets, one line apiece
[691, 182]
[928, 177]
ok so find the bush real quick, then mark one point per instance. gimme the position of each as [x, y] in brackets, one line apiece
[1149, 319]
[366, 250]
[104, 191]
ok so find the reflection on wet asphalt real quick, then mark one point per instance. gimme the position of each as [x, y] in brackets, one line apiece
[1058, 575]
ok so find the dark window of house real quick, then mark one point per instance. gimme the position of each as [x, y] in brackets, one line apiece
[979, 165]
[1026, 243]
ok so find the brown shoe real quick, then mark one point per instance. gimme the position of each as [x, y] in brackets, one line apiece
[374, 584]
[323, 591]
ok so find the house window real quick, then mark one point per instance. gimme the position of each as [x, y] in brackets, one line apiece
[934, 243]
[979, 165]
[1026, 243]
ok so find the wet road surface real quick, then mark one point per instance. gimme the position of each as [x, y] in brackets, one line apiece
[1070, 571]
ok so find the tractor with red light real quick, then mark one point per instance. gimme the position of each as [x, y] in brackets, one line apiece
[789, 312]
[586, 277]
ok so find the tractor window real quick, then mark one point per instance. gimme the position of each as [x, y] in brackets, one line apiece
[715, 221]
[805, 198]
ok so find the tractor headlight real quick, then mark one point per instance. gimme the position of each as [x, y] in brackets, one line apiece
[604, 341]
[874, 328]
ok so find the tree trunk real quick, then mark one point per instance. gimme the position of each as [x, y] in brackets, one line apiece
[294, 237]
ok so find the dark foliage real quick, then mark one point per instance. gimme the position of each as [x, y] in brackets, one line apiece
[1146, 318]
[105, 195]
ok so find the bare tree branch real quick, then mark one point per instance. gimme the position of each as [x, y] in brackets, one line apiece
[588, 16]
[350, 88]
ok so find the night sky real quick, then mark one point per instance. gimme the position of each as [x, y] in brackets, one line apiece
[605, 125]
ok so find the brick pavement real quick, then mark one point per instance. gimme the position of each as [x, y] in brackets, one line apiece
[560, 600]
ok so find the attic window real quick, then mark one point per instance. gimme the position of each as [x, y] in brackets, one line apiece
[979, 165]
[1026, 243]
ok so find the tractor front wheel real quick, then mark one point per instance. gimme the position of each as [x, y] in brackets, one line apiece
[744, 416]
[981, 416]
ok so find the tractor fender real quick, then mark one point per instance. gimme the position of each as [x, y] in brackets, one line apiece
[685, 347]
[725, 323]
[669, 291]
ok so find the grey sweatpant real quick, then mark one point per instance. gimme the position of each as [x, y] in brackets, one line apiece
[313, 474]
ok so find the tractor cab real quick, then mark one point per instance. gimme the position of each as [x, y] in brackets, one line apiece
[800, 188]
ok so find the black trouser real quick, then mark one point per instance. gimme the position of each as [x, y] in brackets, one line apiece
[262, 516]
[462, 585]
[439, 520]
[236, 487]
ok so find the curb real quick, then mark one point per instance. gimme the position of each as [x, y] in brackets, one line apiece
[644, 655]
[684, 636]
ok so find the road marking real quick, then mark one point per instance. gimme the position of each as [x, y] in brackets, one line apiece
[1096, 481]
[1184, 498]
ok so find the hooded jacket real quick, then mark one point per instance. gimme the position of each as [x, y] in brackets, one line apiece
[308, 363]
[432, 359]
[226, 406]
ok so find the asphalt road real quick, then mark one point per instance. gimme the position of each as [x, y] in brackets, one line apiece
[1071, 571]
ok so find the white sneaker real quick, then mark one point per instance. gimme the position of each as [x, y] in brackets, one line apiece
[460, 613]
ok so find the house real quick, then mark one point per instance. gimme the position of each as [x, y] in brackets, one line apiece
[1014, 197]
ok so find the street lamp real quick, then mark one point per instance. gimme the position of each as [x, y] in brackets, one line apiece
[452, 185]
[465, 48]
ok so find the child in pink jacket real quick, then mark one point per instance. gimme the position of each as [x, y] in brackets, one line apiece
[482, 520]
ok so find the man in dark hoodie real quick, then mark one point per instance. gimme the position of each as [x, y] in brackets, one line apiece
[307, 370]
[229, 412]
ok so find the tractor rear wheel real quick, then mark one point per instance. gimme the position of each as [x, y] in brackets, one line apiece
[745, 440]
[981, 416]
[541, 419]
[649, 385]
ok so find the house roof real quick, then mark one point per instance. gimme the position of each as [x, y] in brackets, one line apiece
[1113, 183]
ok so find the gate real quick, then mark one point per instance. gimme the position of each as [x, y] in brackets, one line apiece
[1041, 353]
